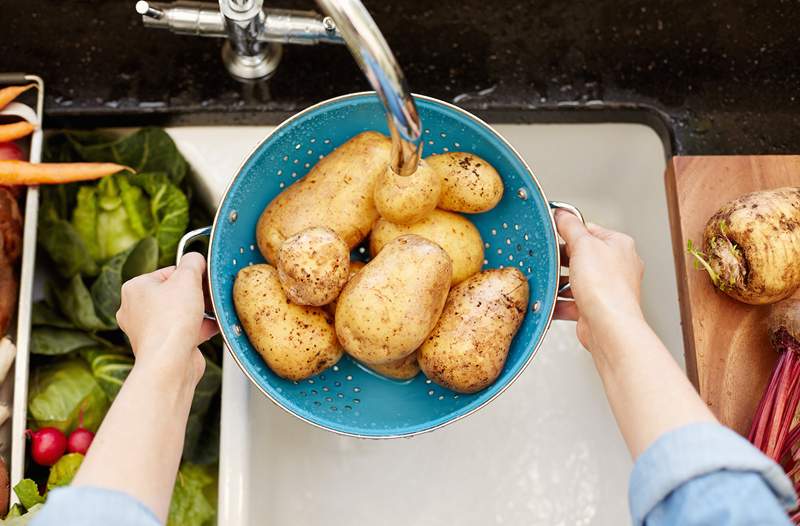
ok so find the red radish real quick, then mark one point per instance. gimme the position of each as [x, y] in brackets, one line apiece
[47, 445]
[79, 440]
[11, 152]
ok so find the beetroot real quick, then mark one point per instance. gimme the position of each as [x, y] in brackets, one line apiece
[774, 430]
[79, 440]
[47, 445]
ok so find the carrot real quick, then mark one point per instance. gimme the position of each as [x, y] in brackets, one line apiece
[25, 173]
[12, 92]
[16, 130]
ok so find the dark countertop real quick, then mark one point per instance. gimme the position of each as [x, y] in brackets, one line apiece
[713, 77]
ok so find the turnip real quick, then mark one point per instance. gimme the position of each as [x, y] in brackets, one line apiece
[751, 246]
[47, 445]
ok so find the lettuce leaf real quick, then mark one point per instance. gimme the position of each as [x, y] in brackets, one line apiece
[190, 506]
[62, 391]
[110, 369]
[63, 471]
[28, 493]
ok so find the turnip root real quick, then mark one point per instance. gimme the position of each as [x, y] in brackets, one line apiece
[751, 246]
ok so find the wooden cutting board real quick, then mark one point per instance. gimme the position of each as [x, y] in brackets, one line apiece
[728, 355]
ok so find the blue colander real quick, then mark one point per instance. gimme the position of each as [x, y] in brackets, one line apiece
[347, 398]
[519, 232]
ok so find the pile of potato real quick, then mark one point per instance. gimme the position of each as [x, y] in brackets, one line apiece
[421, 302]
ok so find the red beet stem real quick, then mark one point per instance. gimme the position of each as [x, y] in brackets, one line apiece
[773, 419]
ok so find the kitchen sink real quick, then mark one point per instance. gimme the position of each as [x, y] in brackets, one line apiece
[547, 452]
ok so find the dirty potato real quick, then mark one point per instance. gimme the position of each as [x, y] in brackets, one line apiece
[295, 341]
[336, 193]
[385, 312]
[467, 349]
[469, 184]
[313, 266]
[355, 266]
[454, 233]
[406, 199]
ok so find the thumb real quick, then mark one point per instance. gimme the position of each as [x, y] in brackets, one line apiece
[191, 265]
[569, 227]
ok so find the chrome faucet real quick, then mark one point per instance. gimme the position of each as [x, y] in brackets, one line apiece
[255, 34]
[253, 51]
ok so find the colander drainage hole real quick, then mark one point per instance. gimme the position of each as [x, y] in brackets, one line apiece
[356, 389]
[441, 397]
[348, 377]
[348, 408]
[536, 306]
[356, 401]
[337, 383]
[427, 381]
[311, 380]
[339, 395]
[322, 377]
[303, 394]
[335, 368]
[314, 392]
[430, 393]
[316, 402]
[328, 399]
[333, 408]
[326, 389]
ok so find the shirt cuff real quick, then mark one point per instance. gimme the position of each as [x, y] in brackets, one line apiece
[90, 506]
[692, 451]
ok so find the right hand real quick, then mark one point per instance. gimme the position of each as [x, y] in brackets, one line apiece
[605, 275]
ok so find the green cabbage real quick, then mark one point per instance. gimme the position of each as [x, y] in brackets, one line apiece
[190, 504]
[63, 392]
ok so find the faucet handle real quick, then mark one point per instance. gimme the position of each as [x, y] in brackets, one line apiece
[145, 9]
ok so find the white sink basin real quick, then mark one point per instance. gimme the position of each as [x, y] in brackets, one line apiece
[547, 452]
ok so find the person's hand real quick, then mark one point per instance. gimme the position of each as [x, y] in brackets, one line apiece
[605, 275]
[162, 314]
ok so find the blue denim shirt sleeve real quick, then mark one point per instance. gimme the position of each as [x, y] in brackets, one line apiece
[87, 506]
[705, 473]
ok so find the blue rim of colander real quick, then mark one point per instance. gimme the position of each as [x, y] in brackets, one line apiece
[448, 420]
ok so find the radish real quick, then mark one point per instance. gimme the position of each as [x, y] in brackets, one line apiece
[47, 445]
[79, 440]
[11, 152]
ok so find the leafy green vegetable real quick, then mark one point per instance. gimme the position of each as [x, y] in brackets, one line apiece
[105, 291]
[169, 209]
[43, 313]
[190, 506]
[28, 493]
[146, 150]
[61, 391]
[58, 237]
[55, 341]
[63, 471]
[16, 518]
[109, 368]
[75, 302]
[204, 394]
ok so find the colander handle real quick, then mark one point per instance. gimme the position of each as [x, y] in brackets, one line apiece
[558, 205]
[187, 238]
[376, 60]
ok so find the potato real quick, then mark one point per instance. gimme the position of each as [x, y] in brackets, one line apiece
[467, 349]
[454, 233]
[403, 369]
[313, 266]
[389, 307]
[469, 184]
[336, 193]
[406, 199]
[355, 266]
[751, 246]
[295, 341]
